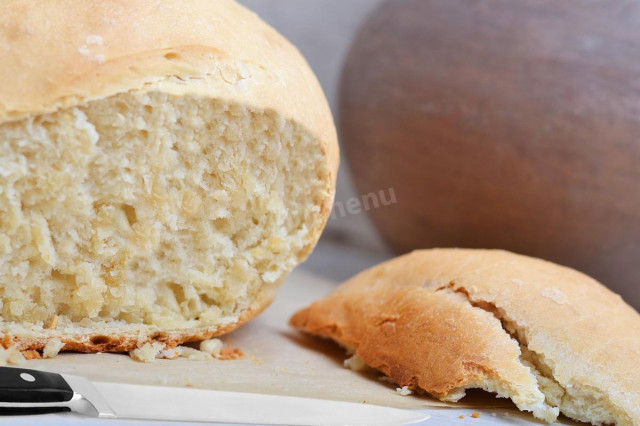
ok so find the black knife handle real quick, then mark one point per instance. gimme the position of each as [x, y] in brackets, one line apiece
[19, 385]
[30, 411]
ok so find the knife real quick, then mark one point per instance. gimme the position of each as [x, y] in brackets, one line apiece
[24, 391]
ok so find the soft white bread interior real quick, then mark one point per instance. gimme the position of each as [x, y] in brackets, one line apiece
[163, 166]
[445, 320]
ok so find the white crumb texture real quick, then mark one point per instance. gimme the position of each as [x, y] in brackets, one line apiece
[356, 363]
[150, 351]
[193, 354]
[404, 391]
[169, 353]
[212, 346]
[147, 352]
[11, 356]
[52, 348]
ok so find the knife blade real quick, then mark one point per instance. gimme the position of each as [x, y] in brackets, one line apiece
[24, 391]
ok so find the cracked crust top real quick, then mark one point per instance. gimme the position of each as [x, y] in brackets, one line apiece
[548, 337]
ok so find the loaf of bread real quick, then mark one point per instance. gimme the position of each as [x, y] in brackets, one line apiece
[445, 320]
[163, 166]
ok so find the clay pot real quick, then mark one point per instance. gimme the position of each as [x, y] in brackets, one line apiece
[502, 124]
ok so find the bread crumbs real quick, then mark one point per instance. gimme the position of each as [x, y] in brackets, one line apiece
[229, 352]
[214, 349]
[404, 391]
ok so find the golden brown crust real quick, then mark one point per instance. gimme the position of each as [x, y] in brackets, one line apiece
[58, 54]
[448, 318]
[432, 349]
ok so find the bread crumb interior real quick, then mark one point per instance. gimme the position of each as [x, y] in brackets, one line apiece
[152, 211]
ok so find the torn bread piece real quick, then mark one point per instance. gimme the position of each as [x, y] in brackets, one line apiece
[548, 337]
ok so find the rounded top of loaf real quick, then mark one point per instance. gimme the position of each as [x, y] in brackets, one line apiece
[59, 53]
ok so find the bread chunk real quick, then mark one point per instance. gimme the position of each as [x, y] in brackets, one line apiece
[444, 320]
[162, 169]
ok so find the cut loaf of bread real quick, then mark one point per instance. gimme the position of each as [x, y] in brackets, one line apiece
[163, 166]
[445, 320]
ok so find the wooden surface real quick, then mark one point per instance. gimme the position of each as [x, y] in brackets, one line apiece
[502, 124]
